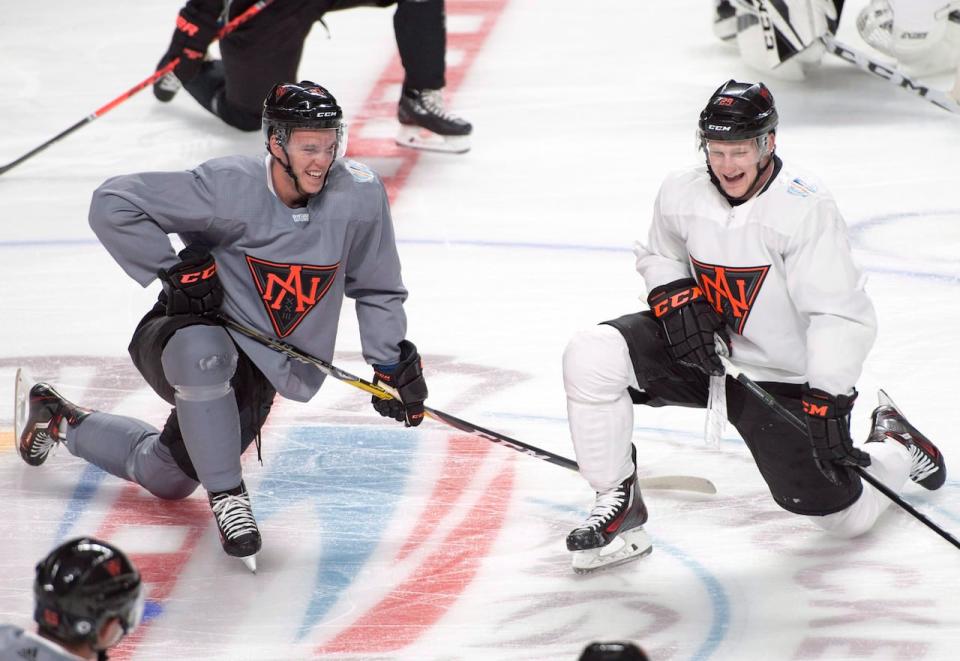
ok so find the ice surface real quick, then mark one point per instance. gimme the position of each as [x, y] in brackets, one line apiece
[385, 543]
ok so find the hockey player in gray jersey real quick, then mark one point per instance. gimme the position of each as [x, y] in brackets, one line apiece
[747, 249]
[275, 243]
[87, 597]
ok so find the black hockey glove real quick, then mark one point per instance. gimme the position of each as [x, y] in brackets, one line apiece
[192, 286]
[689, 323]
[828, 428]
[406, 377]
[195, 30]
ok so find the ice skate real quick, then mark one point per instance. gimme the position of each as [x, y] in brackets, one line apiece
[928, 468]
[38, 414]
[238, 529]
[425, 123]
[613, 533]
[725, 21]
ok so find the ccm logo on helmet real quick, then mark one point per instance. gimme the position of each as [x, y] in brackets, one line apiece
[717, 127]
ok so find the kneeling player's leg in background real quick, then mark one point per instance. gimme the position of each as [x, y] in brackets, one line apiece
[130, 449]
[890, 464]
[258, 55]
[199, 361]
[596, 373]
[420, 30]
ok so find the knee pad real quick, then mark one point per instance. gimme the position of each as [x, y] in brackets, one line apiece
[596, 365]
[646, 343]
[235, 116]
[199, 362]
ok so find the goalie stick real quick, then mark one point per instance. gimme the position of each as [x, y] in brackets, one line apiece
[789, 416]
[664, 482]
[252, 11]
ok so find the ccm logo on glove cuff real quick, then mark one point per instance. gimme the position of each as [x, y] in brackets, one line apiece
[197, 276]
[814, 409]
[675, 300]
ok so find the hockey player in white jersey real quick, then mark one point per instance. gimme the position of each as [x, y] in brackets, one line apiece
[87, 597]
[275, 243]
[749, 250]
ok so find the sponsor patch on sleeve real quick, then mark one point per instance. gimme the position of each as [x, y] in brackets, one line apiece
[359, 171]
[801, 188]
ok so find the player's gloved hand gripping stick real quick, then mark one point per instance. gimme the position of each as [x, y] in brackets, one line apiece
[252, 11]
[855, 462]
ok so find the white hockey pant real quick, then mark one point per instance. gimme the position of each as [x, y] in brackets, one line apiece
[596, 373]
[890, 464]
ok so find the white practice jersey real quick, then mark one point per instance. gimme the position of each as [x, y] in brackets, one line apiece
[778, 268]
[19, 645]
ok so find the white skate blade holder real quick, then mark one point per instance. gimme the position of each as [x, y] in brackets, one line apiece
[630, 545]
[21, 397]
[251, 562]
[416, 137]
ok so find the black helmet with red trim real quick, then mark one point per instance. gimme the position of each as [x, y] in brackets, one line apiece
[738, 111]
[304, 105]
[81, 585]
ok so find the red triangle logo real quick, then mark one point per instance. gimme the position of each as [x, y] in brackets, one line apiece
[290, 291]
[731, 290]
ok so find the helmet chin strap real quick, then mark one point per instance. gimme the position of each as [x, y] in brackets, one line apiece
[289, 170]
[761, 170]
[304, 196]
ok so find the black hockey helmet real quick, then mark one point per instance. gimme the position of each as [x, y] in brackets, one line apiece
[303, 105]
[614, 651]
[738, 111]
[81, 585]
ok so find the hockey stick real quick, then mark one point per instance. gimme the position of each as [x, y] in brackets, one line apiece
[252, 11]
[891, 74]
[666, 482]
[790, 417]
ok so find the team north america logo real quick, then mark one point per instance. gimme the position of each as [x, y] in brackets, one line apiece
[730, 290]
[290, 291]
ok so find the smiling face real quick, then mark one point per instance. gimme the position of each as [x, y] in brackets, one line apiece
[737, 165]
[311, 152]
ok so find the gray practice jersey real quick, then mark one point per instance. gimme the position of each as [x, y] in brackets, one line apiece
[19, 645]
[284, 271]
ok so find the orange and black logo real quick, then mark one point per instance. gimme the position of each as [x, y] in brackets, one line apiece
[290, 291]
[814, 409]
[731, 290]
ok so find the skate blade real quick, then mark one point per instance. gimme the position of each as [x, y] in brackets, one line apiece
[251, 562]
[21, 402]
[884, 399]
[631, 545]
[416, 137]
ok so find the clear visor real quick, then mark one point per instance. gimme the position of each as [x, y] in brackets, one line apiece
[128, 624]
[343, 135]
[283, 136]
[136, 613]
[747, 152]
